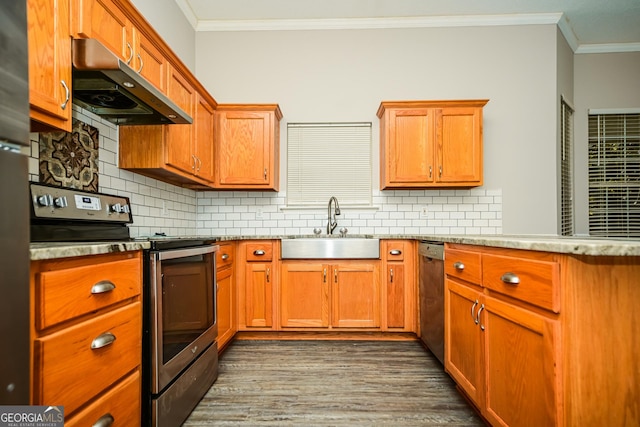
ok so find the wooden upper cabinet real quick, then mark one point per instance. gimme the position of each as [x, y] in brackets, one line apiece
[203, 139]
[430, 144]
[179, 148]
[247, 146]
[108, 22]
[49, 64]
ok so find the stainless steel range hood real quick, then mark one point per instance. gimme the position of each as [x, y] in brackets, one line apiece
[108, 87]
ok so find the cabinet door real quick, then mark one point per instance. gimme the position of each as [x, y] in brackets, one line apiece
[356, 295]
[179, 152]
[396, 303]
[408, 147]
[150, 62]
[225, 301]
[520, 366]
[463, 340]
[204, 139]
[459, 145]
[50, 62]
[258, 295]
[304, 295]
[105, 21]
[245, 148]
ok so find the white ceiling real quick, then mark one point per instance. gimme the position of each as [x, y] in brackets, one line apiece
[588, 25]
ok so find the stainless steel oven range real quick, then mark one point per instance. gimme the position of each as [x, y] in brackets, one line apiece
[180, 352]
[180, 328]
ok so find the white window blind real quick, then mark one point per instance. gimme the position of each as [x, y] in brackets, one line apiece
[328, 159]
[614, 175]
[566, 168]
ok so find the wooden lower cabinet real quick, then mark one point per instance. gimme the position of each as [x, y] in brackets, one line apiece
[226, 294]
[87, 324]
[399, 285]
[257, 273]
[322, 295]
[543, 339]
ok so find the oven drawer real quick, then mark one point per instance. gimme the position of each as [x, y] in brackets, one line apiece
[70, 372]
[122, 403]
[71, 292]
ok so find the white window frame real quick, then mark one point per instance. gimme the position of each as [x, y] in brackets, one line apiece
[567, 221]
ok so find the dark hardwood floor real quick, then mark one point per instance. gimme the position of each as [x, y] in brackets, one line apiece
[331, 383]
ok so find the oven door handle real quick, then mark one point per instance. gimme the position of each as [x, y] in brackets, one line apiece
[187, 252]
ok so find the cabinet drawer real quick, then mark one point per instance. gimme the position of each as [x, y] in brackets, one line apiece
[64, 294]
[537, 280]
[224, 257]
[70, 372]
[259, 251]
[463, 265]
[122, 403]
[395, 250]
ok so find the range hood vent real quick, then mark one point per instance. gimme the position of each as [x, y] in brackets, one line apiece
[108, 87]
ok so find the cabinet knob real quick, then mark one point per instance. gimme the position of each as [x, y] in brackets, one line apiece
[104, 421]
[395, 252]
[102, 287]
[258, 252]
[510, 279]
[458, 266]
[103, 340]
[225, 257]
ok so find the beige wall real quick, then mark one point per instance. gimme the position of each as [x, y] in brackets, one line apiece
[342, 75]
[168, 20]
[602, 81]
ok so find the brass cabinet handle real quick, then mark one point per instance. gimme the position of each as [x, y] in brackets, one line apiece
[104, 421]
[473, 316]
[458, 266]
[225, 257]
[510, 279]
[395, 252]
[102, 287]
[102, 340]
[67, 95]
[391, 275]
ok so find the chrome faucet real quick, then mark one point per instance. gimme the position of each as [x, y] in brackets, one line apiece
[332, 221]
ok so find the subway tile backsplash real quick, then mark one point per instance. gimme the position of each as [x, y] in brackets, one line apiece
[164, 208]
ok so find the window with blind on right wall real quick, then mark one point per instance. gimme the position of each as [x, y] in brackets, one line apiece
[614, 173]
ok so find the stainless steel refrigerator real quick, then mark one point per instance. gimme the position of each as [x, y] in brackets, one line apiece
[14, 204]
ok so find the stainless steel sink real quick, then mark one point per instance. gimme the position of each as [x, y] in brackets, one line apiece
[331, 248]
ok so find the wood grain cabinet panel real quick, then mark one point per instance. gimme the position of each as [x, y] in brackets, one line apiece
[256, 285]
[304, 293]
[431, 144]
[87, 347]
[226, 294]
[355, 295]
[247, 146]
[105, 21]
[49, 64]
[399, 311]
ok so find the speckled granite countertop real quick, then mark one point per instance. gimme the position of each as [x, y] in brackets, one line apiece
[558, 244]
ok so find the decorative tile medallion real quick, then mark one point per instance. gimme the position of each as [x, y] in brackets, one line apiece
[70, 159]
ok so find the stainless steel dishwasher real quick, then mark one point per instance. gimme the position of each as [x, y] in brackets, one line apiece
[431, 293]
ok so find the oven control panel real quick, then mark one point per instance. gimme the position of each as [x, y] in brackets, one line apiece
[59, 203]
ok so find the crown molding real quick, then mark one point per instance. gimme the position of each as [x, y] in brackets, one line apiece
[608, 48]
[188, 12]
[378, 23]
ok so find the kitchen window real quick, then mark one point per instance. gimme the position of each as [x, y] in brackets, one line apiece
[566, 168]
[614, 174]
[328, 159]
